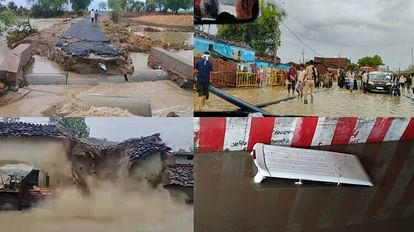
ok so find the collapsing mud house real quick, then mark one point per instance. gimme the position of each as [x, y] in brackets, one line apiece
[48, 146]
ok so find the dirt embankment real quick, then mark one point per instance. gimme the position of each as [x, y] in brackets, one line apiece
[119, 33]
[173, 22]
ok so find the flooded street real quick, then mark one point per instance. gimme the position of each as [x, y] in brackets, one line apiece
[332, 102]
[228, 200]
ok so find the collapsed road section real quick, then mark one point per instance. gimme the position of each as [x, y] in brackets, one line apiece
[85, 49]
[179, 68]
[68, 159]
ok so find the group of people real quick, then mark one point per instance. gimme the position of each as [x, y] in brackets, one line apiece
[302, 81]
[94, 16]
[354, 80]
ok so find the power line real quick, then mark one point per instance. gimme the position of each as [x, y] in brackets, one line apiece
[300, 40]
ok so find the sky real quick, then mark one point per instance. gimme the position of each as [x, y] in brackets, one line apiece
[175, 132]
[351, 28]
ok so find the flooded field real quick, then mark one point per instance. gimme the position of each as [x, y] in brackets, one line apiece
[333, 102]
[228, 200]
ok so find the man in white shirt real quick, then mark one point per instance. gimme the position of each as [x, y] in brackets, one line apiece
[92, 16]
[301, 78]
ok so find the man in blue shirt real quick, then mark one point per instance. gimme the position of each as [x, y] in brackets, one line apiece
[203, 69]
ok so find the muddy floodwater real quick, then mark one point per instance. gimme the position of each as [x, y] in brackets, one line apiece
[108, 209]
[228, 200]
[163, 96]
[332, 102]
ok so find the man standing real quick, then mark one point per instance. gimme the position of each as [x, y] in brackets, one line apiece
[301, 78]
[92, 15]
[364, 81]
[310, 77]
[96, 17]
[291, 80]
[203, 69]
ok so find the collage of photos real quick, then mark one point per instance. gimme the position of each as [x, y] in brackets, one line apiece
[206, 116]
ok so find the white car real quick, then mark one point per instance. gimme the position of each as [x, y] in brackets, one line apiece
[306, 164]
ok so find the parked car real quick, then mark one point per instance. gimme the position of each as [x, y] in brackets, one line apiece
[379, 82]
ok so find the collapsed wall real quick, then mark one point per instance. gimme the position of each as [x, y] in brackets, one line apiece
[101, 160]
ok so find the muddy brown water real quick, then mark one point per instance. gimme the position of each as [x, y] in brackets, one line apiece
[226, 199]
[164, 97]
[334, 102]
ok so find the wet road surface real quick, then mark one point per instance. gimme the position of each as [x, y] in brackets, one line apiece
[86, 30]
[226, 199]
[332, 102]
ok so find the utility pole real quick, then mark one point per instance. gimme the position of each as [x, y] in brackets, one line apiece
[303, 56]
[412, 62]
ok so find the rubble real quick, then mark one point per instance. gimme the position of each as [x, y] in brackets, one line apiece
[181, 174]
[118, 33]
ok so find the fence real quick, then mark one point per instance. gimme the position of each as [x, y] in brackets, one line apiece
[244, 79]
[247, 79]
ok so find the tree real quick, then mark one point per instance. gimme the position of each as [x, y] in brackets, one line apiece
[352, 67]
[262, 34]
[102, 5]
[78, 5]
[150, 5]
[11, 5]
[175, 5]
[369, 61]
[116, 7]
[133, 5]
[75, 126]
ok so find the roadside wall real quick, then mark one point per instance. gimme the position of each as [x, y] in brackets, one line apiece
[235, 134]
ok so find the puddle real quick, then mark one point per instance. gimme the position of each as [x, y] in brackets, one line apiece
[139, 60]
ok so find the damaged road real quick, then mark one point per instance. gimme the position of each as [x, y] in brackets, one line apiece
[87, 50]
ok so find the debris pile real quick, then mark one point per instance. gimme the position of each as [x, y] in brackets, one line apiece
[119, 33]
[181, 174]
